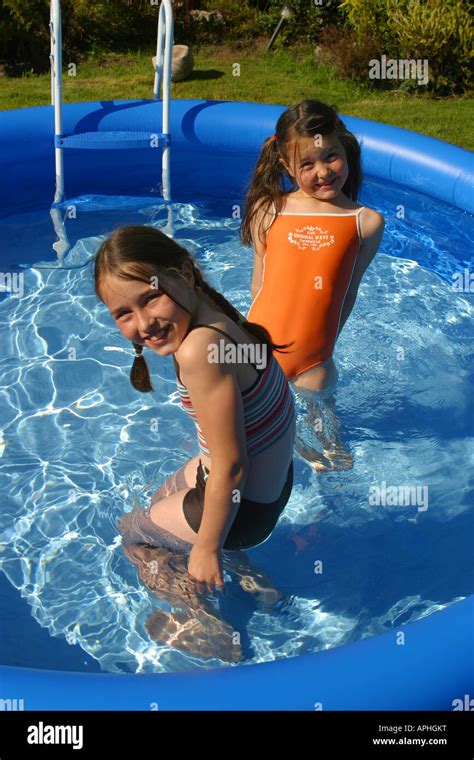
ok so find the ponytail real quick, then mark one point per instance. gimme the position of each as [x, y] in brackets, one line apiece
[267, 186]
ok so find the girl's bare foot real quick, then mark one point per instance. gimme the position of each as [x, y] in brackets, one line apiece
[335, 459]
[315, 458]
[253, 580]
[340, 458]
[198, 633]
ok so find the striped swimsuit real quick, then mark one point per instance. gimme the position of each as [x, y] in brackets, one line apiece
[268, 405]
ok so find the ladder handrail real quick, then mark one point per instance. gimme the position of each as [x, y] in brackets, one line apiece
[56, 58]
[162, 75]
[166, 33]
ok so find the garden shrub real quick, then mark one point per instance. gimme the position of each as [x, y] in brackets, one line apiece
[348, 54]
[440, 31]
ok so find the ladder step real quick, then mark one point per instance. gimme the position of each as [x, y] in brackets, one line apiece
[112, 140]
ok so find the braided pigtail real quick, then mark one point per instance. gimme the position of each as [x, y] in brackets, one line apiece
[139, 374]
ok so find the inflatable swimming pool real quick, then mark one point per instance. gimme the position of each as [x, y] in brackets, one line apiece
[214, 145]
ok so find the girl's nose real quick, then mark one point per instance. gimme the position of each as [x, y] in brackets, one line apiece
[322, 171]
[316, 171]
[144, 322]
[324, 174]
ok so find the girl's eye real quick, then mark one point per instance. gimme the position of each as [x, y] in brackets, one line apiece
[329, 157]
[147, 299]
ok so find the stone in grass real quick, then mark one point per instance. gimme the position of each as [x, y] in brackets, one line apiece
[182, 63]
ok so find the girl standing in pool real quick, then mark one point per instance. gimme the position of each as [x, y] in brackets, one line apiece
[231, 495]
[312, 246]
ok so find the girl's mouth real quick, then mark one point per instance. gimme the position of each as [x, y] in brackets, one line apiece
[325, 185]
[160, 338]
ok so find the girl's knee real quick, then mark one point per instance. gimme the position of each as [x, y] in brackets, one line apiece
[183, 478]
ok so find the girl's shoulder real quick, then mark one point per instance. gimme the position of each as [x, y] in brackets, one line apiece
[370, 221]
[202, 343]
[192, 356]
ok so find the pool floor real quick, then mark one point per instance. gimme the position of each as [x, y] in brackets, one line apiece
[79, 446]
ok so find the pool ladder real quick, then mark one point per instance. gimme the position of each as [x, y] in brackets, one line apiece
[111, 140]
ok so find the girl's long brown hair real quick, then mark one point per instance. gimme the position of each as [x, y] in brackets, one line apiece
[142, 252]
[306, 119]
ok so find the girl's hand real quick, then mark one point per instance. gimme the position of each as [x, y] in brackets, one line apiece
[204, 567]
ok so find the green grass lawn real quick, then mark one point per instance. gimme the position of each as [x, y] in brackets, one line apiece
[281, 76]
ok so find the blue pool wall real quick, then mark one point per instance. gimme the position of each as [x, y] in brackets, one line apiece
[214, 146]
[429, 671]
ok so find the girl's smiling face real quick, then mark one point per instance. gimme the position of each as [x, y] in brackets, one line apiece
[319, 166]
[146, 315]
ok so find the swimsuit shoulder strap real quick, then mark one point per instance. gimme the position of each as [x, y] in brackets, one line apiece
[223, 332]
[273, 213]
[176, 366]
[359, 231]
[212, 327]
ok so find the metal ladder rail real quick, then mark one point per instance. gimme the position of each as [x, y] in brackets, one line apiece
[113, 140]
[56, 62]
[164, 50]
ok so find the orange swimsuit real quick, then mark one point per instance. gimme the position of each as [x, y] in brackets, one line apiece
[308, 264]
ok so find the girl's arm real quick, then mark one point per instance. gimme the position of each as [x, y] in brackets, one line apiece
[257, 275]
[371, 227]
[259, 247]
[217, 402]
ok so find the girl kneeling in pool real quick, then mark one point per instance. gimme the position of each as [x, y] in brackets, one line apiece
[232, 494]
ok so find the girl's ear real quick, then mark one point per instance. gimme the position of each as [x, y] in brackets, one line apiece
[188, 273]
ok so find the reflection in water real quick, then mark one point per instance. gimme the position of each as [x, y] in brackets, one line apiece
[78, 446]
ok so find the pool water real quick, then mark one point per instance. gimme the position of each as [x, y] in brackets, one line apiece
[79, 446]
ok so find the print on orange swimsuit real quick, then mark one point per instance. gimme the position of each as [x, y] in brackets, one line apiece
[308, 265]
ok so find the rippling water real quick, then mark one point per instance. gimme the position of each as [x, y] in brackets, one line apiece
[79, 446]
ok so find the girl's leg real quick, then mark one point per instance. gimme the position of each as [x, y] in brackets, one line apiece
[163, 572]
[334, 446]
[137, 528]
[320, 378]
[319, 439]
[321, 428]
[182, 478]
[156, 540]
[192, 625]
